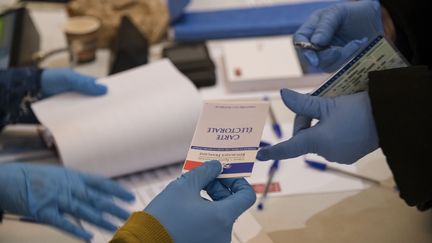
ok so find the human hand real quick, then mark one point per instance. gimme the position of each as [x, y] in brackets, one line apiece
[46, 193]
[345, 132]
[344, 28]
[56, 81]
[190, 218]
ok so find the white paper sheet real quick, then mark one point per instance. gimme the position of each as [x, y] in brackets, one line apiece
[295, 177]
[146, 120]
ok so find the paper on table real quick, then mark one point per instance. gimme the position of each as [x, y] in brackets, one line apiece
[295, 177]
[265, 63]
[148, 184]
[146, 120]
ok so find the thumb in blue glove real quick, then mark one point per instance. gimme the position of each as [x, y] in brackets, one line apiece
[344, 27]
[56, 81]
[190, 218]
[345, 132]
[46, 193]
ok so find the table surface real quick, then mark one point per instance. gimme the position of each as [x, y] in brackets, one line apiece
[375, 214]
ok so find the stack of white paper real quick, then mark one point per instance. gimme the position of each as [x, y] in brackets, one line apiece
[265, 63]
[146, 120]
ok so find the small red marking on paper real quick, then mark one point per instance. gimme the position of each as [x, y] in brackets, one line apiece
[189, 164]
[259, 187]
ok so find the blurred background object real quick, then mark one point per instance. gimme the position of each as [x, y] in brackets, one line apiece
[82, 36]
[19, 39]
[150, 16]
[247, 18]
[130, 47]
[194, 61]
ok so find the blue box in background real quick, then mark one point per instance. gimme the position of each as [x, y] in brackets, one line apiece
[244, 22]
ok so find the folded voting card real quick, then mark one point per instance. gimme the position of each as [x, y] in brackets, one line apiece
[229, 132]
[353, 76]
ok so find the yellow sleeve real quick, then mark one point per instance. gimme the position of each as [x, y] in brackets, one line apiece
[141, 227]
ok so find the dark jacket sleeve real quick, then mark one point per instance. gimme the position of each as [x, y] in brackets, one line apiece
[412, 23]
[403, 116]
[401, 104]
[18, 88]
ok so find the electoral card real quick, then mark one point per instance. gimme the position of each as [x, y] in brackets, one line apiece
[379, 54]
[228, 131]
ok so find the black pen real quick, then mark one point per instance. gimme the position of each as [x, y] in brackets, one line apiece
[272, 171]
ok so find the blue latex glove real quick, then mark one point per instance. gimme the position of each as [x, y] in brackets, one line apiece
[45, 193]
[190, 218]
[176, 8]
[56, 81]
[345, 132]
[343, 28]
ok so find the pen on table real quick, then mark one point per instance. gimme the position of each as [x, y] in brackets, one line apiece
[275, 126]
[273, 168]
[308, 45]
[325, 167]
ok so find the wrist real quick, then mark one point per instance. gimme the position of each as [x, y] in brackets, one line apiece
[11, 184]
[388, 25]
[144, 227]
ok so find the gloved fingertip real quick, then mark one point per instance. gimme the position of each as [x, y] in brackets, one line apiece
[124, 215]
[128, 196]
[296, 37]
[288, 96]
[285, 92]
[311, 57]
[352, 47]
[262, 154]
[320, 39]
[85, 235]
[99, 89]
[214, 165]
[111, 228]
[199, 177]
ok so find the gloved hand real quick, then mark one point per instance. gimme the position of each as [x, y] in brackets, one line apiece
[344, 28]
[45, 193]
[190, 218]
[345, 132]
[56, 81]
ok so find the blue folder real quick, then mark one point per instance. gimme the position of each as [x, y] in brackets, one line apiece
[245, 22]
